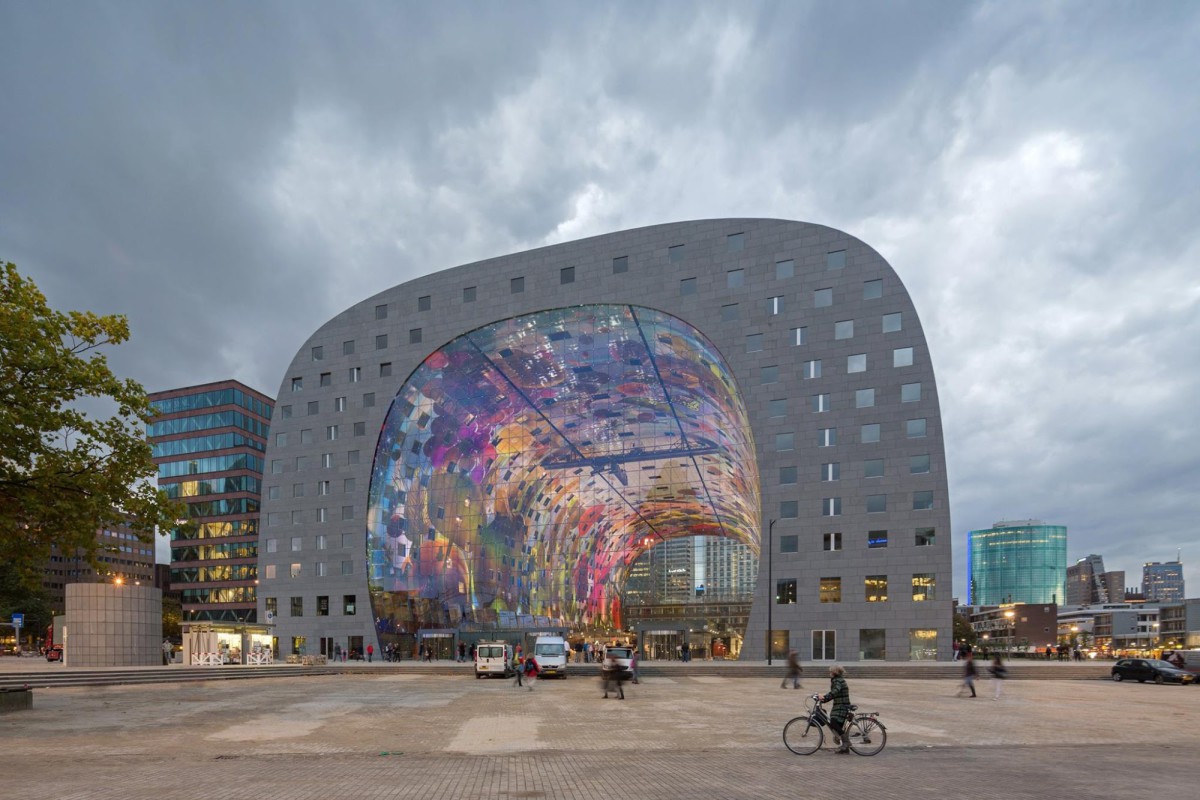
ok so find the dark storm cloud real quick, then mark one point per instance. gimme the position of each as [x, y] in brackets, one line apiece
[230, 175]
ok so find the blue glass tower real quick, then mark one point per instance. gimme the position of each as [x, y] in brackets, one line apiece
[1024, 561]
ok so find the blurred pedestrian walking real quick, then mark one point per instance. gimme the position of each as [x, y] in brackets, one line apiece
[794, 670]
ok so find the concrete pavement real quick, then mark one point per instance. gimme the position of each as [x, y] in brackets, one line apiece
[395, 734]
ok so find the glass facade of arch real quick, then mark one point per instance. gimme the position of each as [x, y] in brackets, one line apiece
[524, 467]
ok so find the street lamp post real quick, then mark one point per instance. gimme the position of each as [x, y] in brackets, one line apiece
[770, 588]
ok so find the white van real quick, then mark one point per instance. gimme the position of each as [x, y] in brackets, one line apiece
[493, 658]
[552, 654]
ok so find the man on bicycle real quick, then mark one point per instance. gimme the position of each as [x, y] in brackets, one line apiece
[839, 693]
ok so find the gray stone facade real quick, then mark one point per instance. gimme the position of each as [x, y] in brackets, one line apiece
[316, 486]
[110, 625]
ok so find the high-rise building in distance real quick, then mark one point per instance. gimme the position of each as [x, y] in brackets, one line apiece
[1089, 583]
[208, 442]
[1162, 582]
[1022, 561]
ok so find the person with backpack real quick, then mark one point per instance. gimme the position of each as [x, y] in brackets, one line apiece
[531, 671]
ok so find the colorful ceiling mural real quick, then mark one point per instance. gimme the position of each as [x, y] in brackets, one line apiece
[524, 466]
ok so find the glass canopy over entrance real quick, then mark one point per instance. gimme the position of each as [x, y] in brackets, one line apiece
[524, 466]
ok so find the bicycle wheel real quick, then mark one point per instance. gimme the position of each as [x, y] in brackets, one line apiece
[867, 735]
[803, 738]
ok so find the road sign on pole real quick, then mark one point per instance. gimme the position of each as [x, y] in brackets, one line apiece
[18, 620]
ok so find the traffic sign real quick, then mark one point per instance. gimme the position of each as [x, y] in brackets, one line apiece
[18, 620]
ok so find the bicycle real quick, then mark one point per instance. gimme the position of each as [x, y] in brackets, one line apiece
[805, 735]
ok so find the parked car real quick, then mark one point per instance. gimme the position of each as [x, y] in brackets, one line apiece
[622, 655]
[1149, 669]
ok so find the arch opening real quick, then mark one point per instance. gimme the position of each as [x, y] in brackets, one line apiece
[524, 467]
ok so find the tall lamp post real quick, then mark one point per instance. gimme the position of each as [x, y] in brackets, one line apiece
[770, 588]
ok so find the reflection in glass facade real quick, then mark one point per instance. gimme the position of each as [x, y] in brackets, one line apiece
[524, 467]
[1017, 562]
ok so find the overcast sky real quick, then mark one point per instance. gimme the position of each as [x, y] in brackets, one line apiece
[232, 174]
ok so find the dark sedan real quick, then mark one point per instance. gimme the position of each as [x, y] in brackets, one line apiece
[1149, 669]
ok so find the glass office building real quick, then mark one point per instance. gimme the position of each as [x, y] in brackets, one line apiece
[1021, 561]
[208, 442]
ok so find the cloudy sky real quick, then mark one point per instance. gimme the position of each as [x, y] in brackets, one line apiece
[1029, 169]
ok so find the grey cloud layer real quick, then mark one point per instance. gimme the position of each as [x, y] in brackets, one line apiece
[1028, 168]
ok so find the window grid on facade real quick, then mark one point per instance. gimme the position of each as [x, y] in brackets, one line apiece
[876, 588]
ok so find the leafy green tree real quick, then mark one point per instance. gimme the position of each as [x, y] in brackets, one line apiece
[65, 472]
[963, 632]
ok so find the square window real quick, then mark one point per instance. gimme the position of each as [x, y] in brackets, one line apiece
[918, 465]
[276, 466]
[922, 587]
[301, 463]
[348, 485]
[827, 437]
[381, 342]
[351, 458]
[784, 442]
[339, 404]
[787, 476]
[331, 432]
[870, 433]
[831, 590]
[360, 429]
[347, 512]
[902, 357]
[687, 286]
[831, 471]
[914, 428]
[424, 303]
[856, 363]
[349, 601]
[812, 369]
[414, 335]
[272, 545]
[297, 490]
[876, 539]
[295, 570]
[318, 353]
[775, 305]
[566, 275]
[675, 253]
[785, 591]
[468, 294]
[922, 501]
[789, 509]
[516, 285]
[835, 260]
[297, 543]
[620, 265]
[872, 290]
[754, 343]
[820, 403]
[735, 242]
[735, 278]
[281, 440]
[822, 298]
[876, 586]
[347, 567]
[381, 312]
[355, 374]
[924, 537]
[729, 312]
[832, 541]
[322, 515]
[323, 600]
[777, 408]
[785, 269]
[864, 398]
[799, 336]
[368, 400]
[910, 393]
[322, 541]
[892, 323]
[873, 468]
[876, 503]
[297, 607]
[269, 572]
[297, 384]
[273, 493]
[831, 507]
[872, 644]
[769, 374]
[314, 407]
[789, 543]
[285, 412]
[326, 460]
[843, 329]
[385, 369]
[348, 348]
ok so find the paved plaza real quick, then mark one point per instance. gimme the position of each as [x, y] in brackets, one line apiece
[398, 735]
